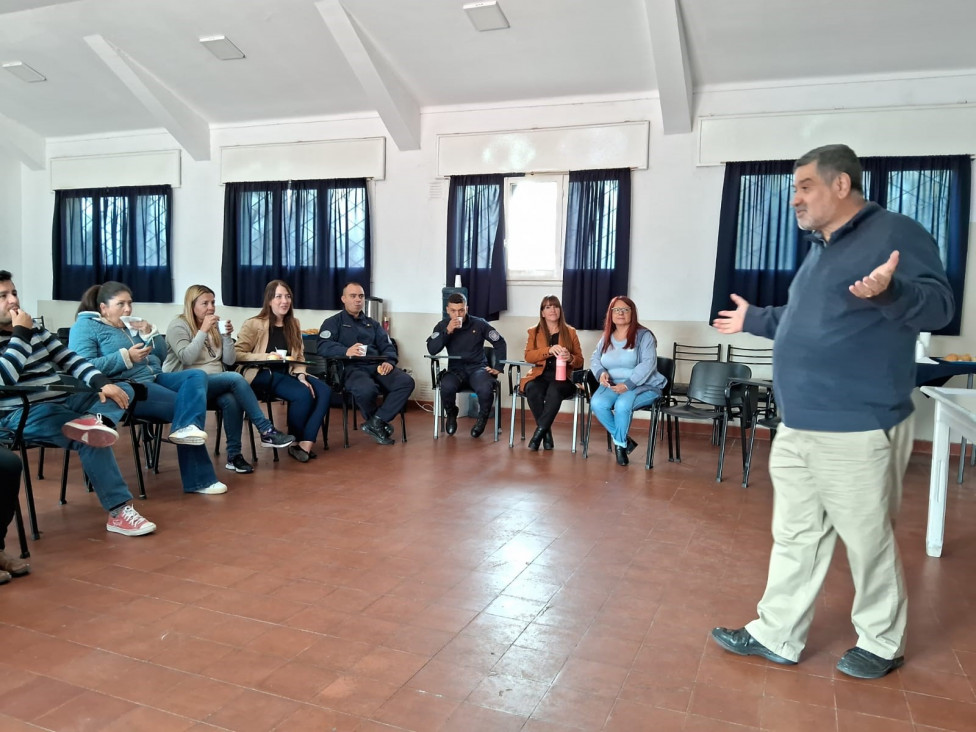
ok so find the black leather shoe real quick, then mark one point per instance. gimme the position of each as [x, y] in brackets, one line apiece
[631, 445]
[480, 425]
[536, 439]
[387, 428]
[374, 428]
[741, 642]
[547, 443]
[450, 420]
[863, 664]
[621, 453]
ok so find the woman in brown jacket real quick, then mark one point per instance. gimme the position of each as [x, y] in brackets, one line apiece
[273, 332]
[550, 340]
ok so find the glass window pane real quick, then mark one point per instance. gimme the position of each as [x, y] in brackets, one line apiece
[531, 226]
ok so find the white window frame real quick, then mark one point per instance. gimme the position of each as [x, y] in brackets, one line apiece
[555, 277]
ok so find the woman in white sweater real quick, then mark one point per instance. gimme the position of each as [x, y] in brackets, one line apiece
[194, 342]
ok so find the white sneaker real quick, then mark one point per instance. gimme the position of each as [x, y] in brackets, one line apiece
[188, 436]
[213, 490]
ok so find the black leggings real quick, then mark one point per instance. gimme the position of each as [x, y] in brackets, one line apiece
[545, 396]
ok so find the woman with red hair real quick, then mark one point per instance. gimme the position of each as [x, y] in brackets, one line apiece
[625, 364]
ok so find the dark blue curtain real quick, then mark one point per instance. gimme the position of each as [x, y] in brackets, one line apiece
[760, 248]
[476, 242]
[121, 234]
[315, 235]
[759, 244]
[596, 261]
[935, 191]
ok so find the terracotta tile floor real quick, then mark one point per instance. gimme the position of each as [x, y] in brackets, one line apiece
[458, 585]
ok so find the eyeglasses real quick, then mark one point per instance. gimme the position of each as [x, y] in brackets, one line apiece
[210, 349]
[620, 310]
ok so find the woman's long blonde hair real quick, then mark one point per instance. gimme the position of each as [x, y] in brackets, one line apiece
[193, 293]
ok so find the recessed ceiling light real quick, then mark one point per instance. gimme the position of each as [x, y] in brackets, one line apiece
[24, 72]
[222, 48]
[486, 15]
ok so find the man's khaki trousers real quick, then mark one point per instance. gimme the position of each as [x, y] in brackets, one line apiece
[830, 484]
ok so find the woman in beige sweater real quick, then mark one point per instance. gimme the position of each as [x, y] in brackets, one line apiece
[273, 331]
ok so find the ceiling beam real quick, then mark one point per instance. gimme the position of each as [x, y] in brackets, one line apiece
[671, 61]
[384, 89]
[183, 122]
[15, 6]
[29, 147]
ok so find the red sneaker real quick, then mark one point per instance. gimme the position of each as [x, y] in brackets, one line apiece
[129, 523]
[90, 431]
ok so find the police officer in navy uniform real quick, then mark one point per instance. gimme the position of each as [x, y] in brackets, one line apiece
[351, 333]
[464, 337]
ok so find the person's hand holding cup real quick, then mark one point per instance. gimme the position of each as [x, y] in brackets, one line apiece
[224, 327]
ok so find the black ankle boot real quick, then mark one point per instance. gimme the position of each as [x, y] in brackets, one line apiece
[621, 453]
[536, 438]
[547, 443]
[450, 420]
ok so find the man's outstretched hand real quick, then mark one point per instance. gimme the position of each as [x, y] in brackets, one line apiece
[730, 321]
[876, 282]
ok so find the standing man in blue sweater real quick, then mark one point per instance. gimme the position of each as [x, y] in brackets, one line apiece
[844, 370]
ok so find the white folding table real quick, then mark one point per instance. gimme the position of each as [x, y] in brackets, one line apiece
[955, 410]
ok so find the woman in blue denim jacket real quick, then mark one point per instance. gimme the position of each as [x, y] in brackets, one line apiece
[129, 349]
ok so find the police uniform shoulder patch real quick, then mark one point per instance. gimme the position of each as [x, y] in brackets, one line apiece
[325, 334]
[435, 334]
[493, 335]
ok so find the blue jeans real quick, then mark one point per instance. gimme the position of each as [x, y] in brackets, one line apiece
[181, 399]
[44, 425]
[305, 413]
[615, 411]
[235, 397]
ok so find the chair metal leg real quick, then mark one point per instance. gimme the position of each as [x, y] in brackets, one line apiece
[511, 425]
[498, 411]
[29, 493]
[437, 413]
[40, 463]
[576, 402]
[651, 439]
[220, 422]
[21, 533]
[271, 420]
[586, 433]
[134, 438]
[677, 441]
[721, 449]
[64, 477]
[403, 425]
[345, 422]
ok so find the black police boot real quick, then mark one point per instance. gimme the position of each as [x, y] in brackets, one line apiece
[480, 425]
[621, 453]
[387, 428]
[547, 443]
[536, 439]
[375, 428]
[450, 420]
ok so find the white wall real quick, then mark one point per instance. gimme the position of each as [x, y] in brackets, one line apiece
[10, 215]
[674, 226]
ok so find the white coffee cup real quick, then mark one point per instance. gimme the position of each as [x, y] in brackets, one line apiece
[362, 350]
[283, 352]
[222, 327]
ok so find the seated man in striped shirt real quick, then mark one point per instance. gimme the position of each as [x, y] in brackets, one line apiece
[34, 357]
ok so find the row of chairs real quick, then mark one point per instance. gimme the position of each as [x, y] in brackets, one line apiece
[719, 392]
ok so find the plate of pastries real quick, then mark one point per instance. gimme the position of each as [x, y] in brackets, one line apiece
[959, 357]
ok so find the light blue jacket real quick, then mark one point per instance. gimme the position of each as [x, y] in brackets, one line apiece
[645, 375]
[107, 348]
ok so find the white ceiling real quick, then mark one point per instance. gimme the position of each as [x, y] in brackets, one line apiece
[294, 66]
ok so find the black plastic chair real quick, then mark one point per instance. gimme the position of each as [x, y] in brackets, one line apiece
[437, 373]
[684, 353]
[766, 415]
[710, 399]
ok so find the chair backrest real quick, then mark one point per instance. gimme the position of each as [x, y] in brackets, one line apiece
[665, 367]
[491, 357]
[684, 354]
[709, 379]
[761, 359]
